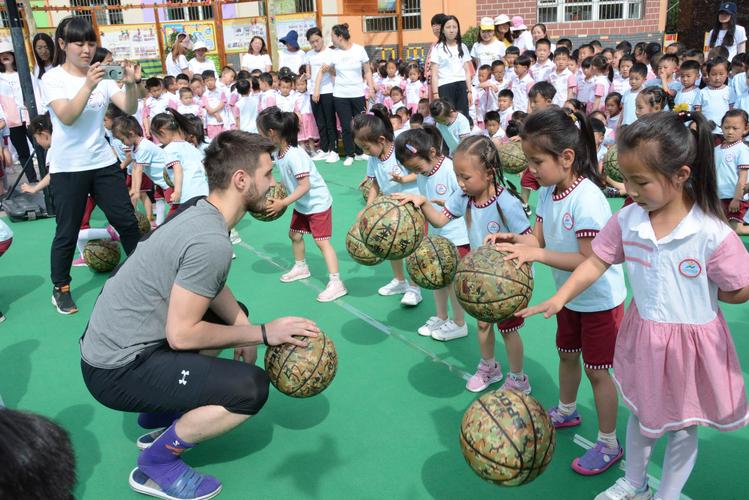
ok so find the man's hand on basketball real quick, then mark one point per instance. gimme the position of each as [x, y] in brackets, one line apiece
[283, 330]
[246, 354]
[548, 308]
[497, 238]
[275, 207]
[410, 198]
[520, 253]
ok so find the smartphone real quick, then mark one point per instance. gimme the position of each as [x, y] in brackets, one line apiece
[113, 72]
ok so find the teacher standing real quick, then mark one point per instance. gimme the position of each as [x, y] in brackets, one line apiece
[321, 86]
[81, 162]
[350, 61]
[451, 67]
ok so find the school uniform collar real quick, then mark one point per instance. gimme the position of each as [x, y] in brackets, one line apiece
[691, 224]
[436, 167]
[488, 203]
[283, 152]
[566, 192]
[390, 153]
[728, 146]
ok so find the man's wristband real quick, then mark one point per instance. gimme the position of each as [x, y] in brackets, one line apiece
[265, 334]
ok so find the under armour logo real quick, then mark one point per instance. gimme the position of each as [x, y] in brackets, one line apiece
[183, 380]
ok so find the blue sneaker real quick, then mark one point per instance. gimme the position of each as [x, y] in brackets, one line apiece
[561, 421]
[189, 485]
[597, 459]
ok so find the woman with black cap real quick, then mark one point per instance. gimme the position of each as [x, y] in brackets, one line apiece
[726, 32]
[292, 56]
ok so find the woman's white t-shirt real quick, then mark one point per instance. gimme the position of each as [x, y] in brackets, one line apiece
[451, 65]
[175, 68]
[198, 67]
[524, 42]
[36, 70]
[291, 60]
[82, 145]
[251, 62]
[489, 52]
[739, 36]
[316, 60]
[348, 71]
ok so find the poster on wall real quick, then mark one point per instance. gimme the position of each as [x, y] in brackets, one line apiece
[298, 22]
[132, 42]
[198, 31]
[239, 32]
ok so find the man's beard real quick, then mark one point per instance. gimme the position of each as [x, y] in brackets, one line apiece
[254, 201]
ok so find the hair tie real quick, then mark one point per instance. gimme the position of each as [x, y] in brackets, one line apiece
[411, 149]
[572, 117]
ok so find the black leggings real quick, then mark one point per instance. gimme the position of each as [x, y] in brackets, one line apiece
[161, 380]
[69, 191]
[18, 136]
[347, 108]
[325, 119]
[456, 94]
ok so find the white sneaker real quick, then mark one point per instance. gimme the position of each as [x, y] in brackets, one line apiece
[332, 157]
[432, 324]
[412, 297]
[233, 256]
[320, 155]
[234, 237]
[333, 291]
[361, 157]
[348, 161]
[449, 330]
[296, 273]
[395, 287]
[623, 490]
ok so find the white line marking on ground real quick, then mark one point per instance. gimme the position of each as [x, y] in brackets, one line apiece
[364, 316]
[652, 480]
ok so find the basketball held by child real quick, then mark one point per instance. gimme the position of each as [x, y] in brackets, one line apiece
[144, 225]
[364, 188]
[358, 250]
[276, 192]
[611, 164]
[507, 438]
[101, 255]
[301, 372]
[512, 157]
[433, 264]
[390, 230]
[491, 289]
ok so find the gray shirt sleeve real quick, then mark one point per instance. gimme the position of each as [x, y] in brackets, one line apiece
[203, 269]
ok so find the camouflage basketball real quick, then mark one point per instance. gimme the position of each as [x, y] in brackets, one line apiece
[491, 289]
[101, 255]
[507, 438]
[358, 250]
[364, 188]
[302, 372]
[167, 178]
[611, 164]
[144, 225]
[276, 192]
[434, 263]
[390, 230]
[512, 157]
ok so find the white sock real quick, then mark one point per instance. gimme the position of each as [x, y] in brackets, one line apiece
[300, 263]
[609, 439]
[517, 376]
[678, 462]
[567, 409]
[160, 211]
[638, 449]
[489, 362]
[335, 277]
[85, 235]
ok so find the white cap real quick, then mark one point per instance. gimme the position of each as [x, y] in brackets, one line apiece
[6, 47]
[501, 19]
[199, 45]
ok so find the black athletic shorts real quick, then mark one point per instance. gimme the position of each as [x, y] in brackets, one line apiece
[162, 380]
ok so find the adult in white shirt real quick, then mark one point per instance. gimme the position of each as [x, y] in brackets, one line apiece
[81, 162]
[451, 67]
[538, 32]
[350, 60]
[320, 86]
[292, 56]
[257, 56]
[176, 61]
[200, 63]
[44, 48]
[523, 39]
[726, 32]
[488, 49]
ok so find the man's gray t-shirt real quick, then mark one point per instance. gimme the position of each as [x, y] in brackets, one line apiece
[192, 250]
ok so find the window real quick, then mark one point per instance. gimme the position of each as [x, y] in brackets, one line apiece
[103, 16]
[558, 11]
[411, 10]
[189, 13]
[304, 5]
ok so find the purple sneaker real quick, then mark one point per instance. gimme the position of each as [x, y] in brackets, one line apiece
[597, 460]
[523, 386]
[561, 421]
[485, 376]
[184, 482]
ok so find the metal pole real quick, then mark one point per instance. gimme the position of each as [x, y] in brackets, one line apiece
[399, 25]
[27, 88]
[218, 16]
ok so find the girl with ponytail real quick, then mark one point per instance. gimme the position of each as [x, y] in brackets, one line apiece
[571, 211]
[675, 363]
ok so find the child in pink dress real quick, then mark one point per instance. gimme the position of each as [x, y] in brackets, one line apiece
[675, 363]
[308, 133]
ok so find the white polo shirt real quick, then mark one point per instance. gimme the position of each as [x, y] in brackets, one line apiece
[729, 159]
[688, 97]
[153, 160]
[293, 165]
[675, 279]
[520, 88]
[453, 133]
[562, 83]
[440, 184]
[502, 214]
[579, 212]
[380, 171]
[194, 181]
[714, 104]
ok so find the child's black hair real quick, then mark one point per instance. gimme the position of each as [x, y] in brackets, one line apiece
[369, 127]
[514, 128]
[615, 96]
[602, 65]
[543, 41]
[662, 142]
[173, 121]
[519, 116]
[575, 103]
[587, 62]
[113, 111]
[626, 57]
[198, 132]
[734, 113]
[154, 82]
[243, 75]
[418, 143]
[169, 80]
[506, 93]
[126, 126]
[416, 119]
[718, 61]
[266, 78]
[285, 124]
[598, 126]
[396, 89]
[523, 60]
[287, 80]
[656, 96]
[497, 63]
[243, 87]
[39, 124]
[485, 67]
[491, 116]
[545, 89]
[695, 53]
[564, 42]
[639, 69]
[561, 52]
[209, 73]
[441, 108]
[553, 131]
[184, 90]
[625, 46]
[690, 65]
[183, 77]
[512, 51]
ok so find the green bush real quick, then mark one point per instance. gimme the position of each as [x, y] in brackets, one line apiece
[471, 36]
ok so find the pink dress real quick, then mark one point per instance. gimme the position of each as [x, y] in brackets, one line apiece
[675, 363]
[307, 126]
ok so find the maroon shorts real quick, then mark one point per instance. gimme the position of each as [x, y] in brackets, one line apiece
[463, 250]
[145, 183]
[510, 325]
[735, 216]
[319, 225]
[528, 180]
[593, 333]
[5, 245]
[90, 205]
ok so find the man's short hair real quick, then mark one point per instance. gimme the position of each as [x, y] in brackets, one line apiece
[231, 151]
